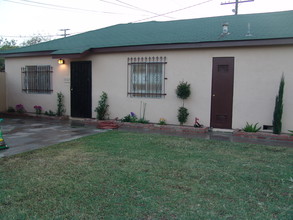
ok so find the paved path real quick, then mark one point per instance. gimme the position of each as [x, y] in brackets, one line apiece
[28, 134]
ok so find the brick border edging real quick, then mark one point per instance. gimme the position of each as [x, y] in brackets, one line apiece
[32, 115]
[167, 128]
[150, 126]
[263, 136]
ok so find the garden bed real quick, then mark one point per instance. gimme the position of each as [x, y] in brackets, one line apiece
[112, 124]
[167, 128]
[264, 136]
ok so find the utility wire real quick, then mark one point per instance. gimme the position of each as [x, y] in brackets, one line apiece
[170, 12]
[141, 9]
[57, 7]
[30, 36]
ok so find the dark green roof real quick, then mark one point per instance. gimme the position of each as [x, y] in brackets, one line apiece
[276, 25]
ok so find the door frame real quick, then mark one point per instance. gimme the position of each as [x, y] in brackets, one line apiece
[222, 90]
[84, 88]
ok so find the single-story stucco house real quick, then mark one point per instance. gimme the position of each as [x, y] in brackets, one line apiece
[233, 63]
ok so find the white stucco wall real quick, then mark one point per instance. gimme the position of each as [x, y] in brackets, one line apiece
[60, 80]
[256, 80]
[2, 92]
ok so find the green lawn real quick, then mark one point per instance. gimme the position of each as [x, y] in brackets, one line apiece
[119, 175]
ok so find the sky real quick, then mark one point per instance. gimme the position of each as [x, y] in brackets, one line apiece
[22, 19]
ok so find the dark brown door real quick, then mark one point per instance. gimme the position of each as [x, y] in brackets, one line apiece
[81, 89]
[222, 92]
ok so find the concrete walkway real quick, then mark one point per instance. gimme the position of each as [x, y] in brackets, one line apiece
[26, 134]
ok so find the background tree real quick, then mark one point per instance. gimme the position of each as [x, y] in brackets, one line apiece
[5, 45]
[35, 40]
[11, 44]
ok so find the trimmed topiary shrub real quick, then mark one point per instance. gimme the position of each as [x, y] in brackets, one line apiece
[183, 92]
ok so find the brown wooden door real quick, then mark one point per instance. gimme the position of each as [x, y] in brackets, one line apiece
[222, 92]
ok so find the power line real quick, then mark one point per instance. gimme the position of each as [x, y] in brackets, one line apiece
[141, 9]
[30, 36]
[170, 12]
[57, 7]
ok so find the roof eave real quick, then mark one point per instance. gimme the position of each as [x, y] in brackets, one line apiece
[171, 46]
[217, 44]
[26, 54]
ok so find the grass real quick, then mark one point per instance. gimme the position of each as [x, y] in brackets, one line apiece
[120, 175]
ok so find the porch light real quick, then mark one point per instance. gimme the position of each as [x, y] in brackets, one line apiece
[61, 61]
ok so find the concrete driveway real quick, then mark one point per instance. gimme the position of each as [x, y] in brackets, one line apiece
[26, 134]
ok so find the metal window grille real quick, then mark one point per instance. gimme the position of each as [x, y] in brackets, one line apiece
[146, 77]
[37, 79]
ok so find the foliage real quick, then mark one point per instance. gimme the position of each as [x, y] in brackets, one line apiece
[133, 119]
[278, 112]
[102, 107]
[5, 45]
[182, 115]
[35, 40]
[162, 121]
[123, 175]
[20, 108]
[11, 44]
[50, 113]
[10, 109]
[251, 127]
[38, 109]
[183, 90]
[291, 132]
[60, 104]
[142, 121]
[130, 118]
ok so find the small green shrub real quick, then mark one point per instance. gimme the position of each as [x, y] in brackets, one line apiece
[50, 113]
[162, 121]
[133, 119]
[10, 109]
[143, 121]
[130, 118]
[182, 115]
[102, 107]
[60, 104]
[251, 127]
[291, 132]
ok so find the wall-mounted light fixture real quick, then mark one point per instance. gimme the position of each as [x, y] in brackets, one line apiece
[61, 61]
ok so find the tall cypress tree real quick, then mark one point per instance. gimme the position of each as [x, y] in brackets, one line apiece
[278, 112]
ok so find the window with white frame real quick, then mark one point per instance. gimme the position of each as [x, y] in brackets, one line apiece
[146, 77]
[37, 79]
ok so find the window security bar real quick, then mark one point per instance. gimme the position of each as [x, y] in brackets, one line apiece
[143, 60]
